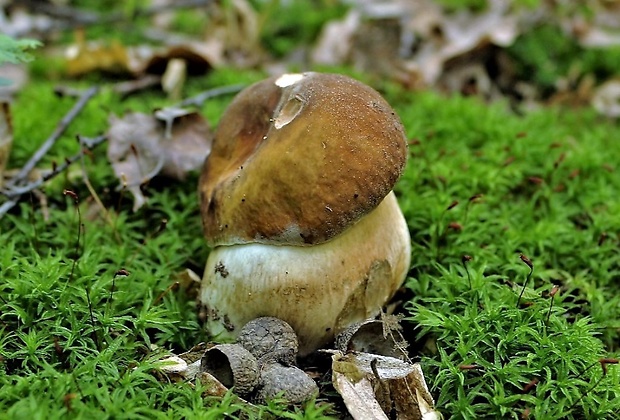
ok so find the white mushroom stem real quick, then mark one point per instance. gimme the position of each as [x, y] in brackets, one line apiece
[318, 290]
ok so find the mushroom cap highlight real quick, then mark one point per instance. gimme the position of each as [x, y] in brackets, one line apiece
[299, 158]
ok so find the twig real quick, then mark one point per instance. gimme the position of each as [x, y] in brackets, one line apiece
[89, 145]
[15, 193]
[74, 17]
[23, 173]
[7, 205]
[199, 99]
[124, 89]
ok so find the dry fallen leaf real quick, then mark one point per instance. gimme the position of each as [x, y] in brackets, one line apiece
[113, 57]
[185, 367]
[141, 146]
[212, 387]
[335, 42]
[12, 78]
[367, 381]
[606, 99]
[190, 283]
[186, 143]
[173, 367]
[84, 57]
[414, 42]
[358, 396]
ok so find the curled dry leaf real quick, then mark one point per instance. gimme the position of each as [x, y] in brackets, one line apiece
[606, 99]
[6, 138]
[367, 381]
[173, 367]
[212, 387]
[141, 146]
[134, 153]
[194, 354]
[335, 42]
[359, 397]
[600, 28]
[415, 40]
[113, 57]
[85, 57]
[236, 28]
[12, 78]
[186, 143]
[372, 336]
[190, 282]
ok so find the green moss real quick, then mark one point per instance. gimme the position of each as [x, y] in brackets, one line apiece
[57, 358]
[549, 190]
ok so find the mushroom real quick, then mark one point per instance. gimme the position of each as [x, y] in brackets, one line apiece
[297, 206]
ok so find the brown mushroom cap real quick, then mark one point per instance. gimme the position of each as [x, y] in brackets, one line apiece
[297, 159]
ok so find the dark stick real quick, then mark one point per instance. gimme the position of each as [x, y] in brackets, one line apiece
[60, 129]
[124, 89]
[14, 193]
[76, 17]
[199, 99]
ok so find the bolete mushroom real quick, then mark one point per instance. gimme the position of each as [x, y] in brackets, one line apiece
[297, 205]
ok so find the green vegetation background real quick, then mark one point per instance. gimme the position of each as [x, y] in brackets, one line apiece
[75, 342]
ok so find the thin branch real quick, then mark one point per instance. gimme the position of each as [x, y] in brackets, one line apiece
[23, 173]
[124, 88]
[74, 17]
[199, 99]
[15, 193]
[6, 206]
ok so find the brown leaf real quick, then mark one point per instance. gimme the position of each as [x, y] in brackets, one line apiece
[141, 146]
[16, 76]
[84, 58]
[113, 57]
[606, 99]
[335, 42]
[372, 385]
[212, 387]
[358, 396]
[186, 144]
[417, 42]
